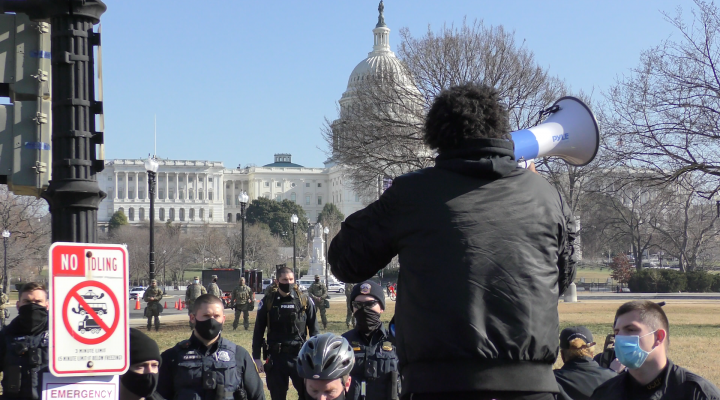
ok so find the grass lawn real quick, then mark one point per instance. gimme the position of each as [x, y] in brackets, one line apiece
[592, 274]
[694, 330]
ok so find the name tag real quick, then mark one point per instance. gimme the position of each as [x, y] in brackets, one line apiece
[287, 306]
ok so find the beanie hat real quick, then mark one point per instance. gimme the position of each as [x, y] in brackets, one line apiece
[142, 348]
[369, 288]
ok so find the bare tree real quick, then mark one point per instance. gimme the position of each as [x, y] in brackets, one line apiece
[379, 131]
[27, 220]
[689, 224]
[664, 116]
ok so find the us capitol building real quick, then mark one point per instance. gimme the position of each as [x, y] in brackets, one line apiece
[196, 192]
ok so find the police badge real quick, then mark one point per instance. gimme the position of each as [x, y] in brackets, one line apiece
[365, 288]
[223, 355]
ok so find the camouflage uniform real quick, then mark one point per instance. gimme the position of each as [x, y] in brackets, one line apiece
[214, 290]
[348, 291]
[194, 290]
[270, 289]
[242, 296]
[153, 306]
[3, 304]
[318, 293]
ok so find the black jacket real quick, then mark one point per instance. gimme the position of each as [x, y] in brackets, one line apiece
[673, 383]
[28, 373]
[497, 240]
[579, 377]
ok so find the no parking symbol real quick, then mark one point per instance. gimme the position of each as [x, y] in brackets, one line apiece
[88, 309]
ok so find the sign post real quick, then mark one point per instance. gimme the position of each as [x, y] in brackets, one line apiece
[89, 330]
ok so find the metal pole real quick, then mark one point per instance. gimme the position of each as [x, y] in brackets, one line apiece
[73, 194]
[294, 265]
[5, 283]
[151, 192]
[326, 260]
[242, 217]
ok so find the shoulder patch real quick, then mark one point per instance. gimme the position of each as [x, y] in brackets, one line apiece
[260, 304]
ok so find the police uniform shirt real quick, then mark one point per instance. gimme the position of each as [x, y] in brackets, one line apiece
[673, 382]
[195, 350]
[27, 368]
[375, 360]
[580, 376]
[279, 320]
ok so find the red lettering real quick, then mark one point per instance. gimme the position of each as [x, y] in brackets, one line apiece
[68, 261]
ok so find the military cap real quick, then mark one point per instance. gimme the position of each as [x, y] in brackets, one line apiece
[196, 277]
[317, 276]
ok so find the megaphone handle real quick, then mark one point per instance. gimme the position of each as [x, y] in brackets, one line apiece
[523, 163]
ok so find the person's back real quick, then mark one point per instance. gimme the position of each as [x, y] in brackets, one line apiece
[579, 375]
[502, 237]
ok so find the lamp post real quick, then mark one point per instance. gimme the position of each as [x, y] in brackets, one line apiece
[151, 166]
[243, 198]
[294, 220]
[326, 231]
[6, 236]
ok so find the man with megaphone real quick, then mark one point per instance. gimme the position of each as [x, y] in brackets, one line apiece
[494, 240]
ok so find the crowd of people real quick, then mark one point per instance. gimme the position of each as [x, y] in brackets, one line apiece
[496, 239]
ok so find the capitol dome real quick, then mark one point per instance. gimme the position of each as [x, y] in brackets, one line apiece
[379, 62]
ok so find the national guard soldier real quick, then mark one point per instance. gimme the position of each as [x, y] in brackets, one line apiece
[243, 300]
[3, 308]
[318, 293]
[213, 288]
[152, 296]
[24, 346]
[289, 316]
[349, 318]
[375, 374]
[194, 290]
[271, 288]
[207, 366]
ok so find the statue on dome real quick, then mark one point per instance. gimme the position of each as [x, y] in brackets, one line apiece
[381, 17]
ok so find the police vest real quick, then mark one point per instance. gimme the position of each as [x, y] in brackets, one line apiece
[376, 365]
[26, 359]
[211, 377]
[287, 320]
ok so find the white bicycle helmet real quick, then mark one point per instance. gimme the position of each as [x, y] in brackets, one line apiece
[327, 356]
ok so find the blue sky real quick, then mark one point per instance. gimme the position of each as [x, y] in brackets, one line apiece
[237, 81]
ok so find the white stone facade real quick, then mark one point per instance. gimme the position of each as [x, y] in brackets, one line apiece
[197, 192]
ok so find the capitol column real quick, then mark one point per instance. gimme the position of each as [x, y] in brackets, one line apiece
[177, 186]
[137, 195]
[116, 184]
[127, 184]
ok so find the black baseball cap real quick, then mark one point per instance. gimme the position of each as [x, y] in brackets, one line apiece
[575, 332]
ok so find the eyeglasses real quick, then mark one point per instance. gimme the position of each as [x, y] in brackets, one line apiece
[364, 304]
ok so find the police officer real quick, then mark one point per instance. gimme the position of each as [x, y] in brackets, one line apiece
[579, 375]
[213, 288]
[207, 366]
[141, 379]
[318, 293]
[194, 290]
[375, 375]
[152, 296]
[243, 299]
[3, 308]
[288, 316]
[349, 318]
[24, 345]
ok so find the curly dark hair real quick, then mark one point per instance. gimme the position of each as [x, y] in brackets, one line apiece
[469, 111]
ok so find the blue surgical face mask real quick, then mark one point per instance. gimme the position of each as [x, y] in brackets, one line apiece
[629, 352]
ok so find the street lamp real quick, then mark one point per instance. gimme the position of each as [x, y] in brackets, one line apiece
[151, 166]
[294, 220]
[326, 231]
[243, 198]
[6, 236]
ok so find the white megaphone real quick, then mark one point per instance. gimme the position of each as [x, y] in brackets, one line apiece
[569, 132]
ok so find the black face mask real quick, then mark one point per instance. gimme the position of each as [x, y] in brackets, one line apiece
[367, 320]
[285, 287]
[317, 280]
[142, 385]
[32, 318]
[208, 329]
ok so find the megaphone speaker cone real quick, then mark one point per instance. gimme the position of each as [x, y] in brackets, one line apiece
[570, 133]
